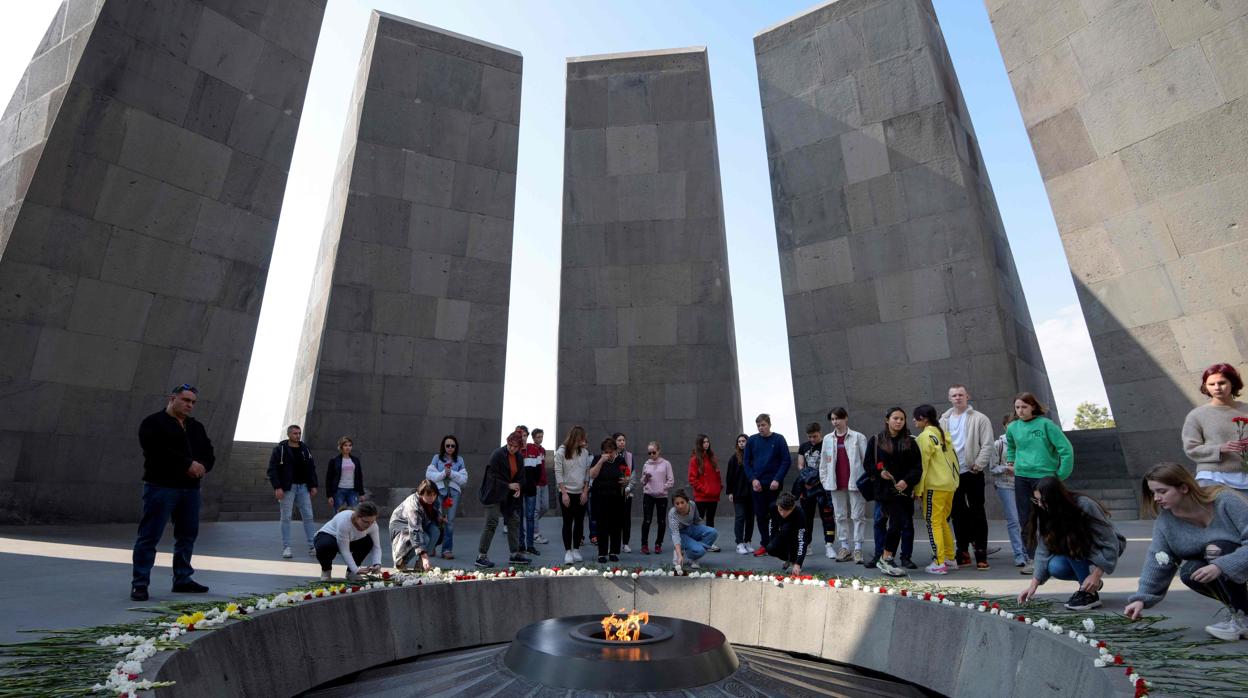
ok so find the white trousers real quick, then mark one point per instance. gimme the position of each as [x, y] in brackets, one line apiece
[849, 504]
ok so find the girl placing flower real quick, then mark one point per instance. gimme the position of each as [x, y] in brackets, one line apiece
[1198, 533]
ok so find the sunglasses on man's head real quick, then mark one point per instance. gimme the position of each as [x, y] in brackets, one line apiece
[183, 387]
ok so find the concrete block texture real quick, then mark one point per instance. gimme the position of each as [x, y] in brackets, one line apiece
[143, 160]
[409, 299]
[1137, 112]
[897, 276]
[646, 342]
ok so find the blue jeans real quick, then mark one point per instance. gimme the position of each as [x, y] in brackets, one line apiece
[696, 539]
[1010, 507]
[159, 505]
[297, 495]
[448, 529]
[350, 498]
[880, 528]
[1069, 569]
[530, 522]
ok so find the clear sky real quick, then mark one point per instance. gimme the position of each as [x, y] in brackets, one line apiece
[546, 33]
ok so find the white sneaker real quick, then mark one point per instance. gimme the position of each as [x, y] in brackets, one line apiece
[540, 539]
[889, 567]
[949, 565]
[693, 565]
[934, 568]
[1232, 628]
[743, 549]
[286, 553]
[325, 576]
[829, 550]
[567, 558]
[576, 556]
[624, 548]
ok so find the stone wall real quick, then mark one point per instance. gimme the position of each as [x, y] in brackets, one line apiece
[406, 332]
[143, 162]
[646, 341]
[951, 651]
[898, 279]
[1139, 121]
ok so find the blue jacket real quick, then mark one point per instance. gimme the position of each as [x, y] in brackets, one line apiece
[767, 459]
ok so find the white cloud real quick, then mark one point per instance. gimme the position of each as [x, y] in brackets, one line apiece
[1070, 362]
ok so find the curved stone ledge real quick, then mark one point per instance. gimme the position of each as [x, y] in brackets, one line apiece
[952, 651]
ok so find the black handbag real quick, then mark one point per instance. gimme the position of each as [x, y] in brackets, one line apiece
[866, 481]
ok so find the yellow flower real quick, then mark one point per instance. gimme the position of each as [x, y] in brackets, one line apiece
[231, 609]
[197, 616]
[183, 620]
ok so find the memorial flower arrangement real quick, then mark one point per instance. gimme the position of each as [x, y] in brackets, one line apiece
[120, 655]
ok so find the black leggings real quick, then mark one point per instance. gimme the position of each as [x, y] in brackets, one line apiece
[649, 506]
[1221, 589]
[898, 509]
[573, 520]
[327, 549]
[608, 510]
[707, 511]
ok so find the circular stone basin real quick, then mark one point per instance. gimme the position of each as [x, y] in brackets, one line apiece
[592, 632]
[677, 653]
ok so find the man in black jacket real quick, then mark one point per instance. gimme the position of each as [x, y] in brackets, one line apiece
[293, 477]
[787, 532]
[176, 456]
[500, 493]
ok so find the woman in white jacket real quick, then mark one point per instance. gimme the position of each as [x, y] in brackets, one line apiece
[839, 470]
[448, 473]
[572, 460]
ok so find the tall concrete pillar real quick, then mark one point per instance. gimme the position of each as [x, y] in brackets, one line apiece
[646, 343]
[897, 275]
[1138, 116]
[142, 167]
[405, 338]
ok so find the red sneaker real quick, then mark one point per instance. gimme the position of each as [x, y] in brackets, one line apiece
[760, 552]
[645, 550]
[658, 550]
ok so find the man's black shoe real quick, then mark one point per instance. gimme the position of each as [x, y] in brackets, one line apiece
[138, 593]
[190, 586]
[908, 564]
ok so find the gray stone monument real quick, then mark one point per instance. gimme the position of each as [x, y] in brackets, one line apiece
[142, 168]
[646, 343]
[1138, 116]
[897, 275]
[406, 333]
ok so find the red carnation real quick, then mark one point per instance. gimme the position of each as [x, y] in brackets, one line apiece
[354, 589]
[883, 590]
[1240, 420]
[625, 471]
[927, 596]
[941, 597]
[307, 597]
[385, 575]
[1100, 644]
[1021, 619]
[132, 677]
[904, 592]
[1117, 659]
[1130, 670]
[879, 465]
[448, 503]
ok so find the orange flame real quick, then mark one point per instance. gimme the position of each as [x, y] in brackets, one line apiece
[626, 629]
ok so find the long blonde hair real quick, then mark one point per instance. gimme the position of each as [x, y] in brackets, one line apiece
[1176, 476]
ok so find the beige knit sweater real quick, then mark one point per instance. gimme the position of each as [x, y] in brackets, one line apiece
[1205, 430]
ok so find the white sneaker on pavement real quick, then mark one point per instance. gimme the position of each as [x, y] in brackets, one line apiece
[934, 568]
[540, 539]
[624, 548]
[325, 576]
[1232, 628]
[829, 550]
[576, 556]
[286, 553]
[743, 549]
[567, 558]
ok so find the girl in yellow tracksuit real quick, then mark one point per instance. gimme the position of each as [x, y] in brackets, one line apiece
[940, 480]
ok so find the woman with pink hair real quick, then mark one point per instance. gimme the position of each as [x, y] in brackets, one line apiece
[1214, 433]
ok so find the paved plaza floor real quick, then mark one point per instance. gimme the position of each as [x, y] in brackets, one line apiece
[74, 576]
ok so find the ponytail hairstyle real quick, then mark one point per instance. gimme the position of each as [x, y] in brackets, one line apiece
[928, 414]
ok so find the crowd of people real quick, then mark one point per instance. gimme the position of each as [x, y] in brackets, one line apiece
[945, 464]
